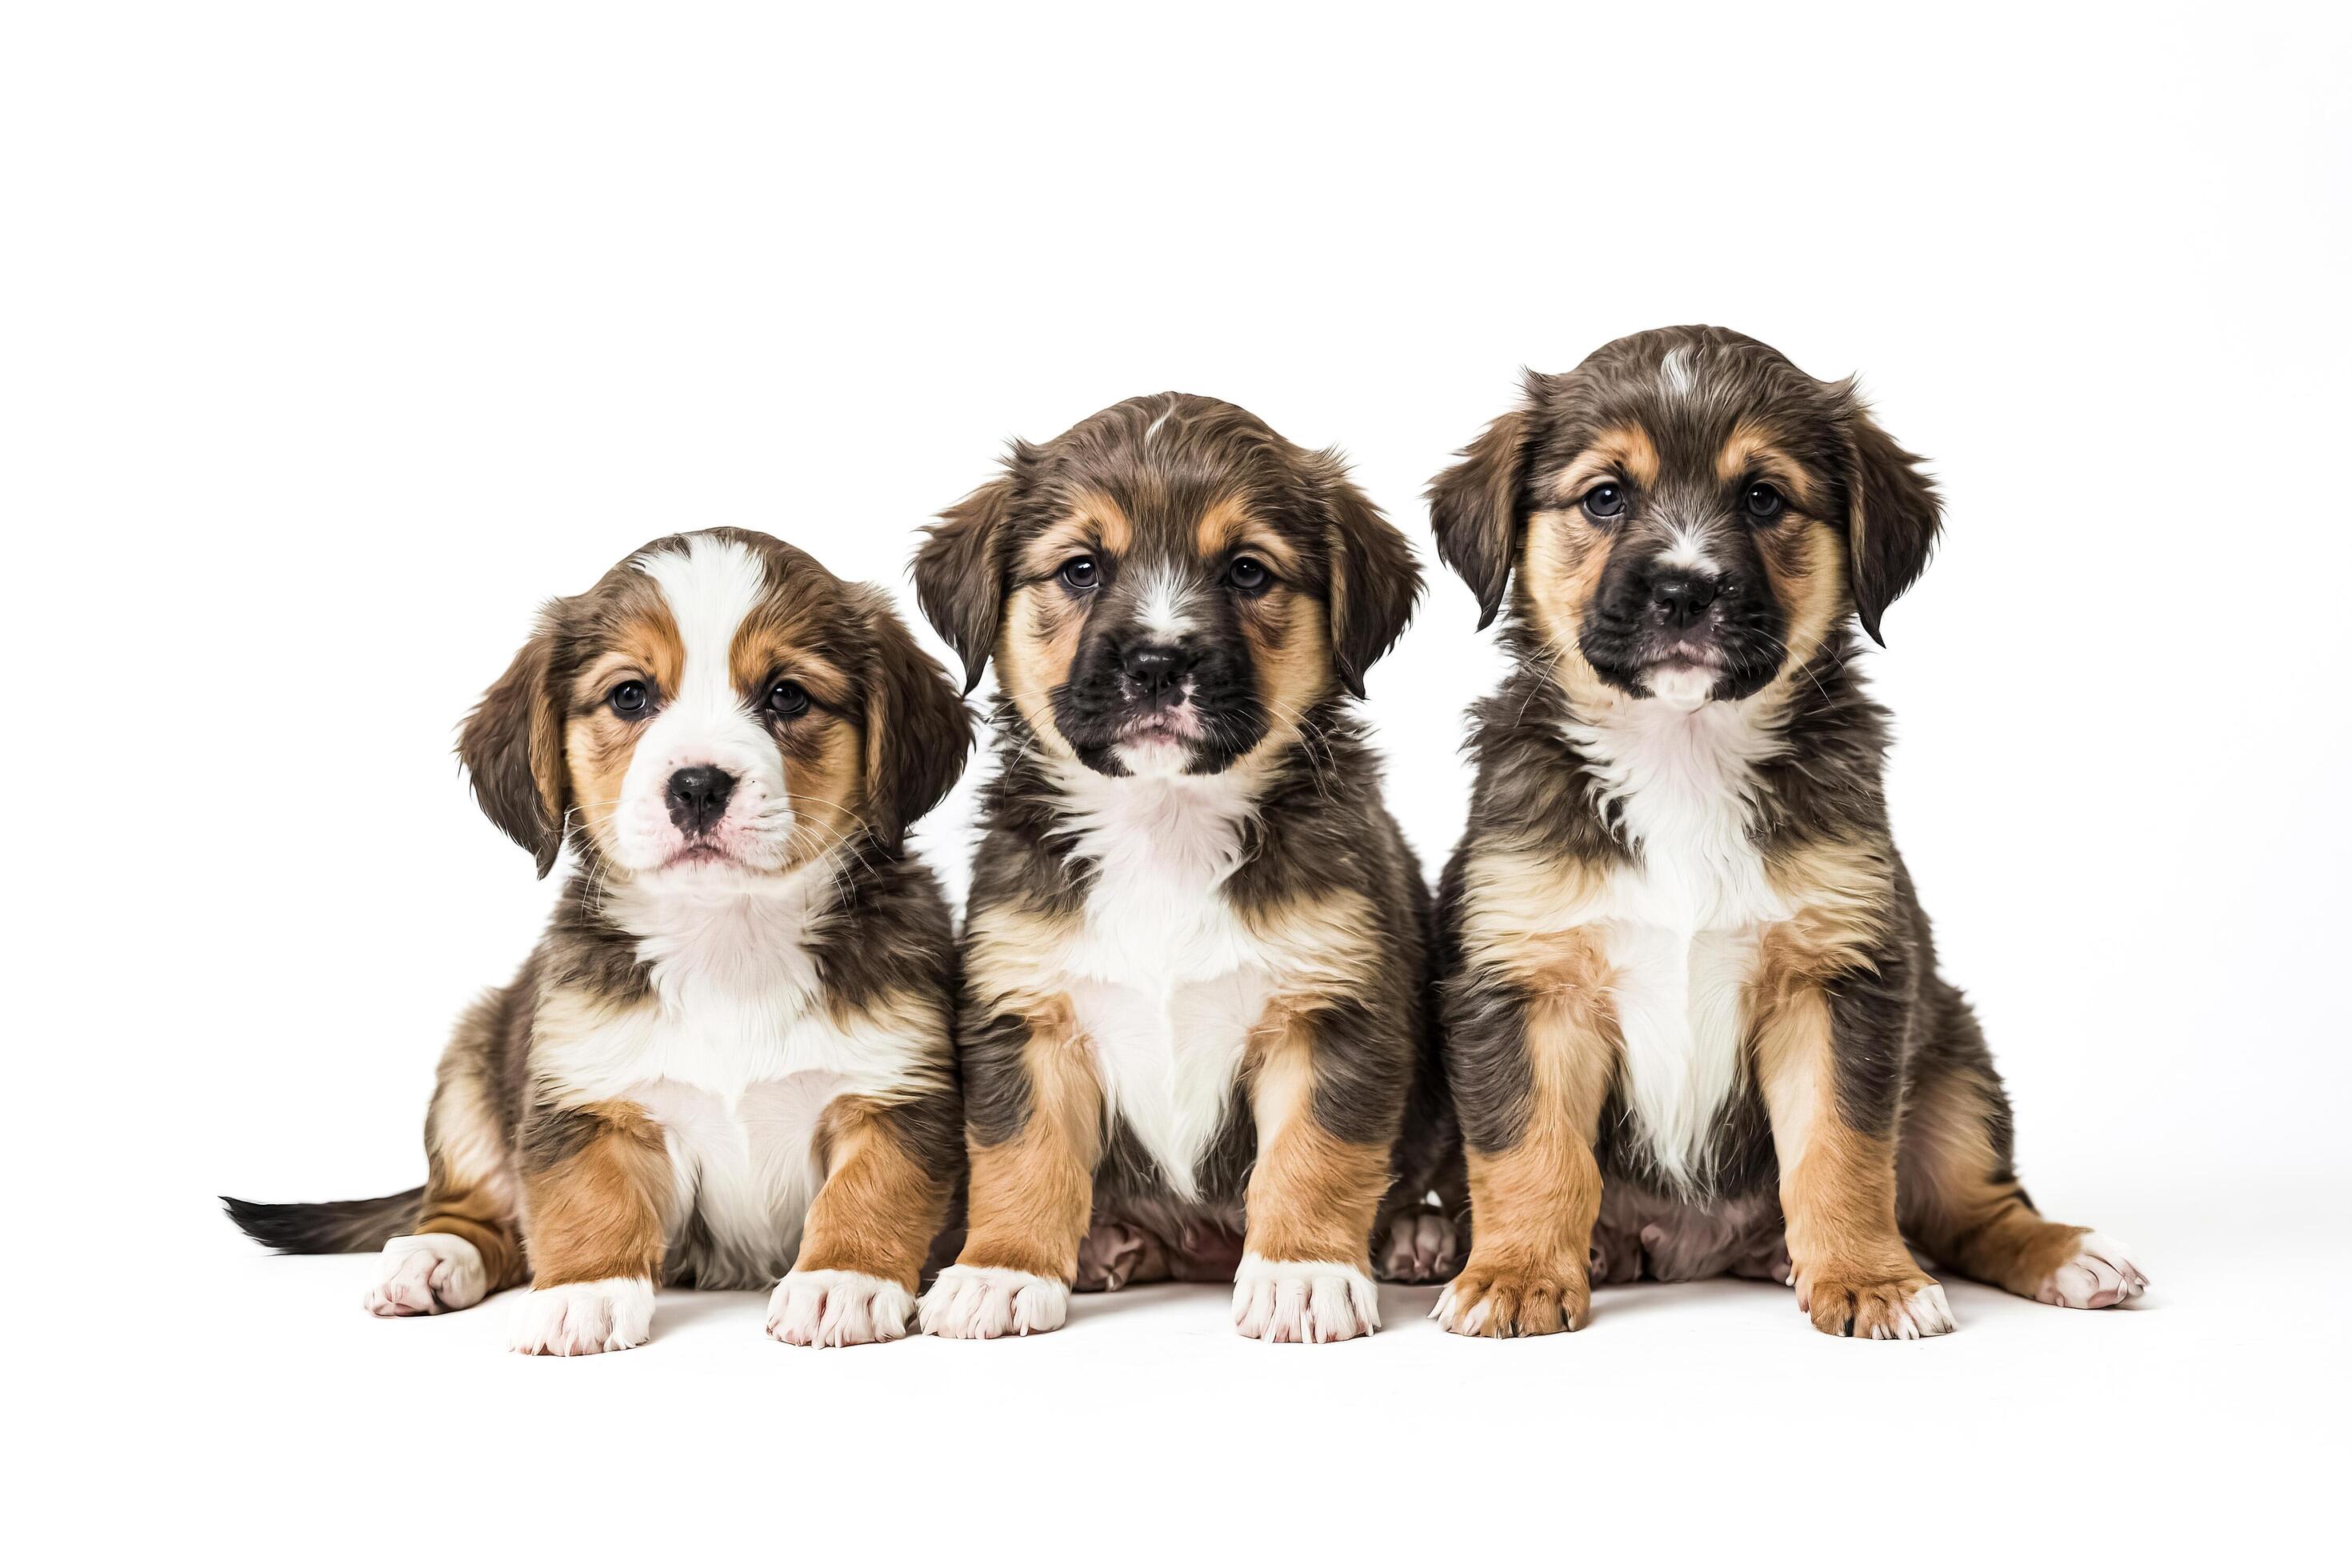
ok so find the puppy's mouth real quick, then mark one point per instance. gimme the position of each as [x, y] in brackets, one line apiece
[1692, 650]
[1174, 723]
[702, 853]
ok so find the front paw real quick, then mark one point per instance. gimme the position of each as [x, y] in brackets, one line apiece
[1503, 1302]
[1303, 1303]
[416, 1275]
[837, 1307]
[1900, 1306]
[970, 1302]
[584, 1318]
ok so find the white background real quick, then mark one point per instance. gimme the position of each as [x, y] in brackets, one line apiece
[337, 338]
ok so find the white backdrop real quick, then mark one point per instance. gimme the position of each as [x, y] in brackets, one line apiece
[337, 338]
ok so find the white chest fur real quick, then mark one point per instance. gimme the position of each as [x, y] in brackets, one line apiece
[1681, 927]
[1167, 981]
[736, 1058]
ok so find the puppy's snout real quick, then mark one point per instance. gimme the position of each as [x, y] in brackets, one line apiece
[698, 797]
[1155, 668]
[1681, 597]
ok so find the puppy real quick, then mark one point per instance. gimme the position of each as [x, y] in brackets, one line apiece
[730, 1055]
[1195, 954]
[1693, 1019]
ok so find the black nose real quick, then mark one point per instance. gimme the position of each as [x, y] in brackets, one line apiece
[1155, 667]
[1683, 596]
[698, 797]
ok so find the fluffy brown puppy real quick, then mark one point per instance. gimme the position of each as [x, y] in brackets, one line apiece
[1693, 1019]
[1196, 954]
[730, 1057]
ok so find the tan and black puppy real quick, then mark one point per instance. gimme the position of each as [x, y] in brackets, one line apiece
[730, 1055]
[1694, 1023]
[1195, 956]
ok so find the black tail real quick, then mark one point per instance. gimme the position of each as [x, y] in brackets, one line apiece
[355, 1224]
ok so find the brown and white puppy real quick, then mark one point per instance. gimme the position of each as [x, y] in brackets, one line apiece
[730, 1055]
[1195, 954]
[1693, 1019]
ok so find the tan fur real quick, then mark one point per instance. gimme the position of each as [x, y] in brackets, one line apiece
[598, 1212]
[1032, 1195]
[1752, 449]
[598, 744]
[879, 1208]
[1956, 1204]
[1311, 1195]
[1535, 1203]
[1625, 449]
[1837, 1184]
[1034, 654]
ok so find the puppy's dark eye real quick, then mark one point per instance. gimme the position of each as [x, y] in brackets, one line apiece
[788, 699]
[1248, 574]
[1764, 502]
[1605, 501]
[629, 699]
[1081, 573]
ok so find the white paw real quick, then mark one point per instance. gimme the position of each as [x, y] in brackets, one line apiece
[837, 1307]
[1922, 1315]
[2100, 1274]
[423, 1274]
[969, 1303]
[1421, 1248]
[1303, 1303]
[582, 1320]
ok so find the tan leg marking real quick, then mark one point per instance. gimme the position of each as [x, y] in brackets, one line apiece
[598, 1212]
[1955, 1206]
[879, 1208]
[1032, 1195]
[1853, 1275]
[1532, 1206]
[1311, 1197]
[470, 1188]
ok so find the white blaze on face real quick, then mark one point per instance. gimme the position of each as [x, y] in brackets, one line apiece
[711, 586]
[1165, 596]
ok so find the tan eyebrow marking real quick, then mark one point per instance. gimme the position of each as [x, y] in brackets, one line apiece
[646, 645]
[1625, 449]
[1095, 524]
[1751, 451]
[1229, 524]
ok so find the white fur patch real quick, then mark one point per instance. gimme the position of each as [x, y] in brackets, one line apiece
[1284, 1302]
[838, 1307]
[420, 1275]
[735, 1060]
[1674, 372]
[711, 586]
[1681, 927]
[1166, 981]
[2100, 1274]
[1167, 596]
[969, 1303]
[584, 1318]
[1923, 1315]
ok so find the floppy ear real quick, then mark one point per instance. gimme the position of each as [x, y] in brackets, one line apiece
[1375, 580]
[1893, 517]
[512, 748]
[1473, 508]
[918, 731]
[960, 567]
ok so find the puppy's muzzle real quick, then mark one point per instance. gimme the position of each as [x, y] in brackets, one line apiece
[1153, 672]
[698, 797]
[1679, 600]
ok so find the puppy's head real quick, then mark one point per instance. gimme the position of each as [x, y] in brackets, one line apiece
[718, 709]
[1686, 513]
[1168, 586]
